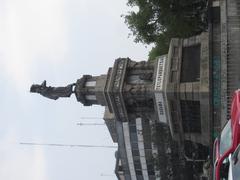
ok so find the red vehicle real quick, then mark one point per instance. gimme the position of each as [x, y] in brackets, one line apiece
[228, 141]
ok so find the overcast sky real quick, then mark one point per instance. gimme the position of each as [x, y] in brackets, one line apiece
[57, 41]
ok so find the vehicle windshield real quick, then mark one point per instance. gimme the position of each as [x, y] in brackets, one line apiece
[226, 138]
[236, 168]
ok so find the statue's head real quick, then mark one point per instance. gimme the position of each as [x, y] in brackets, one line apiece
[35, 88]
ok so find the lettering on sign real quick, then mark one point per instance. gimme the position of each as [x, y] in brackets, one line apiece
[119, 107]
[160, 73]
[118, 76]
[160, 107]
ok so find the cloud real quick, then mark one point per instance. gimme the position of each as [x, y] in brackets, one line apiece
[32, 32]
[39, 164]
[18, 162]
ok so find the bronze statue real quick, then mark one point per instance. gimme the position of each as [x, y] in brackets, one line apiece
[52, 92]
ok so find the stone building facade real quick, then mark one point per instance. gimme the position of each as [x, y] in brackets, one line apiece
[155, 110]
[188, 88]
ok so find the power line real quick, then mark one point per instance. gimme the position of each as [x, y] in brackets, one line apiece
[90, 124]
[67, 145]
[107, 175]
[91, 118]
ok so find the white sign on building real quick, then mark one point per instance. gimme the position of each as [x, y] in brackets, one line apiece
[159, 89]
[160, 73]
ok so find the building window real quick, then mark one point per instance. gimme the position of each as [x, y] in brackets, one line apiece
[190, 68]
[91, 97]
[134, 145]
[133, 137]
[147, 144]
[135, 152]
[139, 172]
[150, 169]
[90, 84]
[133, 129]
[139, 177]
[191, 120]
[137, 165]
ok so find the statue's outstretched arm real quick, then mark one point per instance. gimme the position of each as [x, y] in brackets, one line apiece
[44, 83]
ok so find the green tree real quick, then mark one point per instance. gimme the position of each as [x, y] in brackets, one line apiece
[157, 21]
[161, 46]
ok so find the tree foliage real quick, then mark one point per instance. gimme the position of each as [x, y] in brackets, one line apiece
[157, 21]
